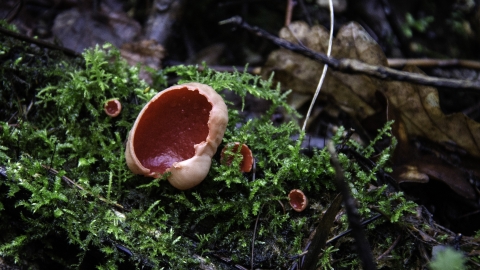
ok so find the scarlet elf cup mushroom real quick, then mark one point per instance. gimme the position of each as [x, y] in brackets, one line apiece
[297, 200]
[178, 131]
[112, 107]
[247, 156]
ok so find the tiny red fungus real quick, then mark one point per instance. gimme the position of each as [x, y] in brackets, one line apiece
[298, 200]
[247, 161]
[112, 107]
[178, 131]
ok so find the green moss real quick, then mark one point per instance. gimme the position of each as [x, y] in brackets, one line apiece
[112, 217]
[447, 258]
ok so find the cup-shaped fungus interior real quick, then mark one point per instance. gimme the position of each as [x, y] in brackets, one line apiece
[169, 129]
[298, 200]
[113, 107]
[247, 157]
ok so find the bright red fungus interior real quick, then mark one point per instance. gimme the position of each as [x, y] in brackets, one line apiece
[111, 107]
[296, 199]
[247, 161]
[170, 127]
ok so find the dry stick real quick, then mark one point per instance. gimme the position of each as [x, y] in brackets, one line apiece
[363, 247]
[390, 248]
[355, 66]
[305, 12]
[318, 241]
[39, 42]
[471, 110]
[288, 13]
[253, 237]
[342, 234]
[428, 62]
[12, 14]
[228, 261]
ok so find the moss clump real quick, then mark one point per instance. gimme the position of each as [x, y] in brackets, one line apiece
[91, 211]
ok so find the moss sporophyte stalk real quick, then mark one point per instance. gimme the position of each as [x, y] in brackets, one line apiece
[67, 193]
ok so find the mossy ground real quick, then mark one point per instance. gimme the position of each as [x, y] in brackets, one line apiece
[93, 212]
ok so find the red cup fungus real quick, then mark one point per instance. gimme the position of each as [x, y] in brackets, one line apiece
[298, 200]
[112, 107]
[247, 161]
[178, 131]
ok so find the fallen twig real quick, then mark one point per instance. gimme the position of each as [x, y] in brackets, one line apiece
[288, 13]
[363, 247]
[253, 237]
[390, 248]
[427, 62]
[318, 241]
[39, 42]
[355, 66]
[12, 14]
[342, 234]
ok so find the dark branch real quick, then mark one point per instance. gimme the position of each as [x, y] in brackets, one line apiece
[363, 247]
[355, 66]
[39, 42]
[317, 244]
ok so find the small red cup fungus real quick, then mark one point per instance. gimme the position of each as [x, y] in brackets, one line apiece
[247, 161]
[112, 107]
[298, 200]
[178, 131]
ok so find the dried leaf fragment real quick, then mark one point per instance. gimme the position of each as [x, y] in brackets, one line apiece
[355, 94]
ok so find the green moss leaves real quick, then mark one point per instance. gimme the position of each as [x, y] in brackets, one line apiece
[92, 203]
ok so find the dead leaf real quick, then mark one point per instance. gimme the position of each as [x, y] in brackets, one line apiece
[414, 108]
[423, 169]
[417, 114]
[418, 108]
[146, 53]
[210, 55]
[412, 174]
[355, 94]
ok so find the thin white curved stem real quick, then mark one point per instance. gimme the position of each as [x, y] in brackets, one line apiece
[325, 68]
